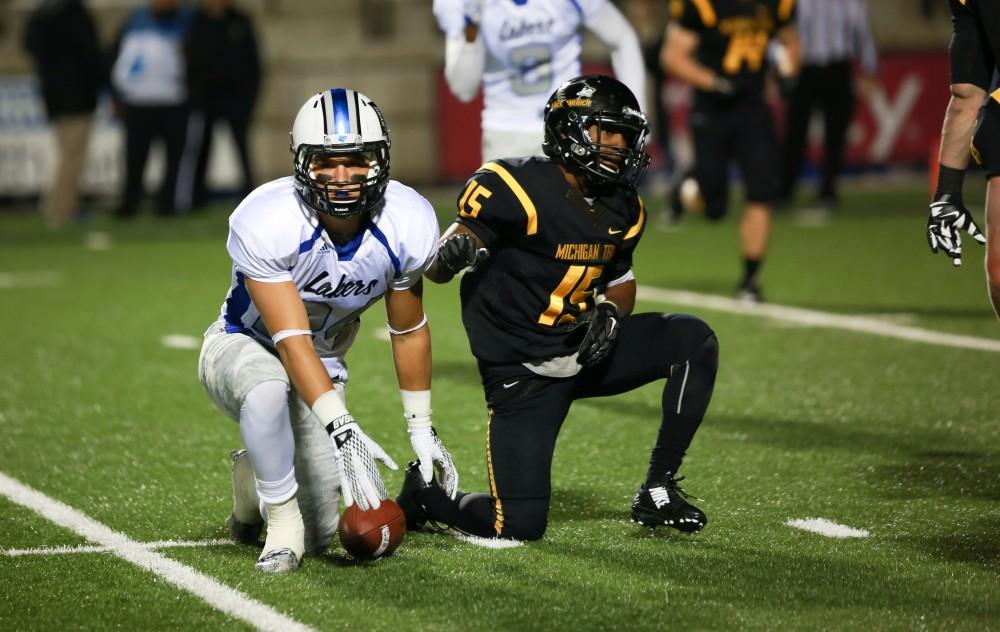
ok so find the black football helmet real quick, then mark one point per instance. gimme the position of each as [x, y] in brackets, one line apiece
[604, 102]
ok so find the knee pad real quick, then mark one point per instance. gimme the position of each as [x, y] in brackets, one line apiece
[707, 352]
[266, 399]
[525, 518]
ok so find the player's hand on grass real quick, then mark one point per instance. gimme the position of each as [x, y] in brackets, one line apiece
[357, 454]
[432, 456]
[946, 220]
[602, 323]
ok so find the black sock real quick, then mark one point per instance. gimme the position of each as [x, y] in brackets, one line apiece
[671, 443]
[750, 268]
[685, 401]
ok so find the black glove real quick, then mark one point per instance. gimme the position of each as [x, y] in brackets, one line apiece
[946, 220]
[457, 252]
[603, 323]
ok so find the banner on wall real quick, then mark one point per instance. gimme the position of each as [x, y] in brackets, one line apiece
[28, 149]
[898, 124]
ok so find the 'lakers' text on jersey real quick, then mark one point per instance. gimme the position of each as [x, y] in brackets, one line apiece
[550, 248]
[531, 47]
[734, 36]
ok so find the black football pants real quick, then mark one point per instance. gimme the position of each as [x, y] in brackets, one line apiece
[527, 411]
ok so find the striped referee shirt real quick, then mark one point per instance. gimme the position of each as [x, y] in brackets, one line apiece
[836, 31]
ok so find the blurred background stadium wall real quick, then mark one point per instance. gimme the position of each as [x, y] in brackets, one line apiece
[392, 51]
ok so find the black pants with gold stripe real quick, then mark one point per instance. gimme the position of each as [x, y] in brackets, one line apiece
[527, 412]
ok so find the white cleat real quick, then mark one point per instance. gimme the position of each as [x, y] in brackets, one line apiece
[278, 561]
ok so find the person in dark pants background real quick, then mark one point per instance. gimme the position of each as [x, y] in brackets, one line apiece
[719, 47]
[61, 37]
[148, 81]
[224, 72]
[834, 33]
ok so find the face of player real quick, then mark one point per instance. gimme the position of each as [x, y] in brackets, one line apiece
[343, 175]
[609, 137]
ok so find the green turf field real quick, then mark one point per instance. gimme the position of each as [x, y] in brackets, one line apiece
[898, 438]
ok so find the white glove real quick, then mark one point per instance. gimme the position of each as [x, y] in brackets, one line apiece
[945, 223]
[432, 455]
[356, 454]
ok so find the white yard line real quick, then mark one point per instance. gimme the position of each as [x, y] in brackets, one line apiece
[826, 527]
[83, 548]
[219, 596]
[37, 278]
[486, 543]
[815, 318]
[180, 341]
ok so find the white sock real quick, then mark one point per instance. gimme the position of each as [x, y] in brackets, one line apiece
[284, 528]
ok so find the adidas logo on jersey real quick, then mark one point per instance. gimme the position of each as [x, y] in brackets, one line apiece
[325, 249]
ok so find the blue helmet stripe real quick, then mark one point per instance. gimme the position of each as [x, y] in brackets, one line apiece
[341, 112]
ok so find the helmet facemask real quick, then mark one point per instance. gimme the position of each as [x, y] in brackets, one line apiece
[604, 165]
[361, 192]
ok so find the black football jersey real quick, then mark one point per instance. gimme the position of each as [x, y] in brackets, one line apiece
[734, 36]
[975, 45]
[549, 249]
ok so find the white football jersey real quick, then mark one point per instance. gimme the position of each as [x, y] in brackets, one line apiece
[532, 46]
[274, 237]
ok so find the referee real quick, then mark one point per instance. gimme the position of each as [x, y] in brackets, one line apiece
[833, 34]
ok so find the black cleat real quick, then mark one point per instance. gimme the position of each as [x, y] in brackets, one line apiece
[665, 504]
[409, 500]
[413, 484]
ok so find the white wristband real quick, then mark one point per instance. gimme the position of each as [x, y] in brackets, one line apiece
[288, 333]
[423, 321]
[416, 409]
[330, 409]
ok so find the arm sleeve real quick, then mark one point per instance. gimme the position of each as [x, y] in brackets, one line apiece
[620, 268]
[418, 248]
[490, 209]
[611, 27]
[971, 60]
[256, 259]
[463, 66]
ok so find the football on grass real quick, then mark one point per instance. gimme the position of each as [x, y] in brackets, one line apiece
[369, 535]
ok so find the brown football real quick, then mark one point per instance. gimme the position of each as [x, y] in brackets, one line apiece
[369, 535]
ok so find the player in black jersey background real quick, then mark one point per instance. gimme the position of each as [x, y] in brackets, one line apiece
[720, 47]
[547, 306]
[975, 51]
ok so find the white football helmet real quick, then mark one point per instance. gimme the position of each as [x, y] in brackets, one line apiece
[335, 123]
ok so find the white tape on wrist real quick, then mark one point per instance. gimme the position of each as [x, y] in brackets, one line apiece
[288, 333]
[394, 332]
[416, 409]
[330, 409]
